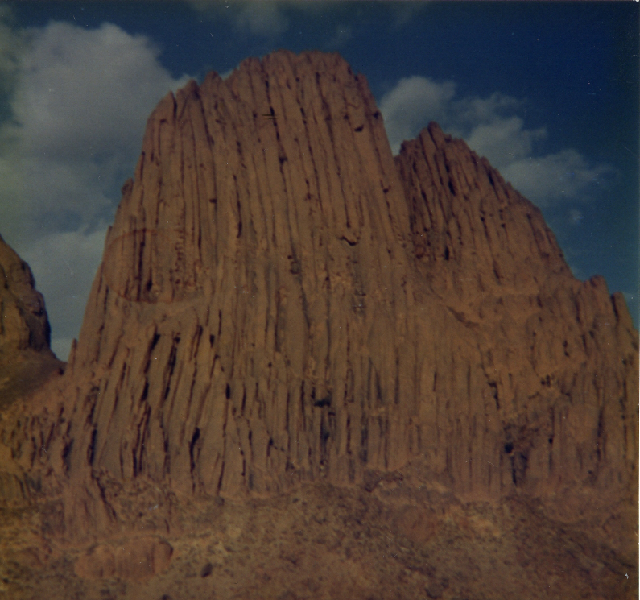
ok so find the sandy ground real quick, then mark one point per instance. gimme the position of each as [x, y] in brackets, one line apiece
[400, 538]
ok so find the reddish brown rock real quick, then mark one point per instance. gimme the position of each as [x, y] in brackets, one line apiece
[24, 323]
[26, 360]
[281, 300]
[135, 559]
[260, 332]
[559, 356]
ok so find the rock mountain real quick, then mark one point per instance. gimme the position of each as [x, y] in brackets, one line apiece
[282, 302]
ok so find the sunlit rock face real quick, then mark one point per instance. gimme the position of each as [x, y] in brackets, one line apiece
[281, 300]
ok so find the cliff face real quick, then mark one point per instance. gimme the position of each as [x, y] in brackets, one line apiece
[24, 323]
[26, 360]
[281, 300]
[559, 356]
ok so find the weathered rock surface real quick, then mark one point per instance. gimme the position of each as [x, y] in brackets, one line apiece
[26, 360]
[281, 301]
[559, 356]
[401, 539]
[24, 323]
[136, 559]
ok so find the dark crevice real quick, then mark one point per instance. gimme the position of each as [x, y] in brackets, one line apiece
[364, 437]
[66, 455]
[192, 448]
[519, 465]
[323, 402]
[91, 451]
[600, 435]
[494, 392]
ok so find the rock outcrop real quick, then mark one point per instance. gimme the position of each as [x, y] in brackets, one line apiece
[136, 559]
[24, 323]
[281, 300]
[559, 356]
[26, 360]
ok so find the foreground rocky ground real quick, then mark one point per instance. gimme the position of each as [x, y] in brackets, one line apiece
[395, 537]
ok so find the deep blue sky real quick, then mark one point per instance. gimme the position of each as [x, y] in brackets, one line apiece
[569, 72]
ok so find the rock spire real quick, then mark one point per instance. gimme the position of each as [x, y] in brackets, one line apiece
[281, 300]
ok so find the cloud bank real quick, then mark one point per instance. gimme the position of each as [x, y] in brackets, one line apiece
[262, 19]
[492, 127]
[79, 100]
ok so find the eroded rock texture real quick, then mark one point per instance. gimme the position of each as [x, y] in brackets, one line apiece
[281, 300]
[23, 323]
[26, 360]
[559, 356]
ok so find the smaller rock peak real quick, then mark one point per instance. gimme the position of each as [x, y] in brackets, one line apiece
[191, 89]
[437, 135]
[210, 78]
[434, 128]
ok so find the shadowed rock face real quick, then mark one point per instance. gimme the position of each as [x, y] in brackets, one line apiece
[23, 323]
[282, 300]
[26, 360]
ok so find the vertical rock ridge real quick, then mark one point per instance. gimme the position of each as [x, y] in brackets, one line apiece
[545, 339]
[259, 200]
[472, 232]
[281, 301]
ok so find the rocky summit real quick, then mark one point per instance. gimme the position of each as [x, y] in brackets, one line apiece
[287, 314]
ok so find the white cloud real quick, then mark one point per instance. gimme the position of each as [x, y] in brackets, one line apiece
[411, 104]
[404, 12]
[11, 44]
[80, 99]
[341, 36]
[79, 107]
[227, 73]
[82, 91]
[565, 175]
[504, 140]
[491, 127]
[575, 216]
[64, 265]
[263, 18]
[472, 111]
